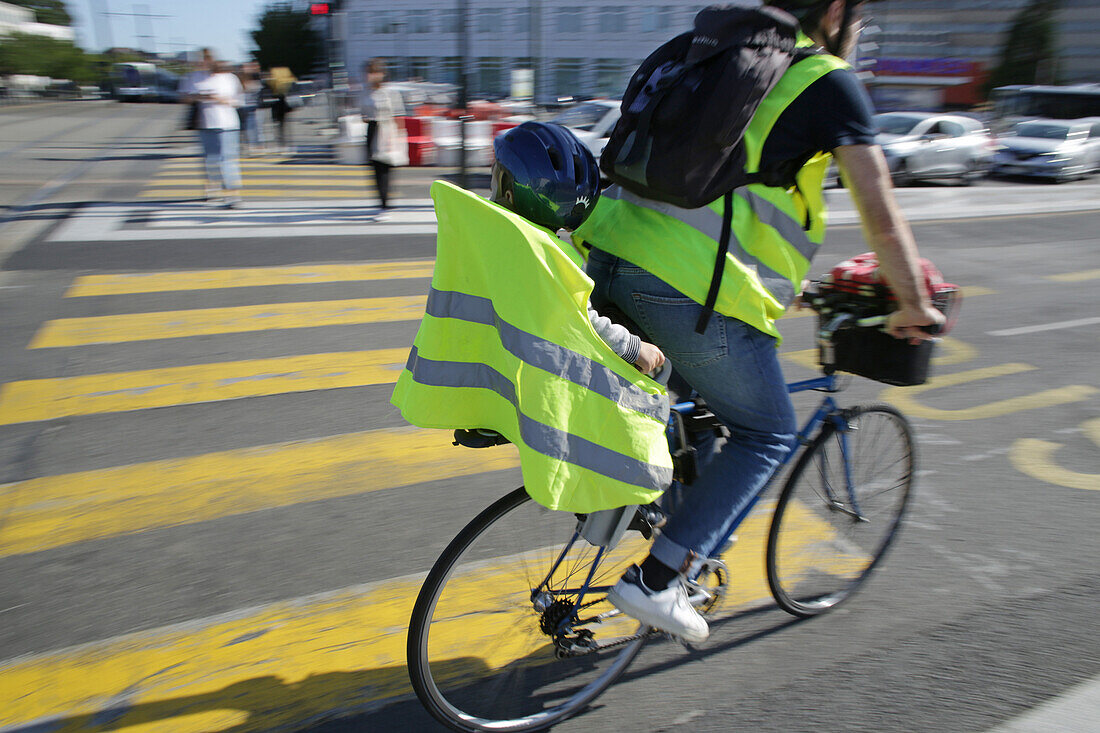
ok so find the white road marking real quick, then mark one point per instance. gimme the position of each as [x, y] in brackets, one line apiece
[1045, 327]
[196, 220]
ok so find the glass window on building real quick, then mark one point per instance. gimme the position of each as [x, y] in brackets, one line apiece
[489, 20]
[448, 20]
[567, 77]
[521, 21]
[611, 77]
[569, 19]
[420, 68]
[420, 21]
[386, 21]
[447, 69]
[656, 19]
[488, 78]
[612, 19]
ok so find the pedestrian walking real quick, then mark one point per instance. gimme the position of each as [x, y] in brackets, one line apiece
[218, 94]
[279, 83]
[252, 131]
[387, 146]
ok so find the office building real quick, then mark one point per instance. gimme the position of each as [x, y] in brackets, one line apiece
[931, 53]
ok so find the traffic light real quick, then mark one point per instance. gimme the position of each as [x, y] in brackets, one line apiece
[318, 8]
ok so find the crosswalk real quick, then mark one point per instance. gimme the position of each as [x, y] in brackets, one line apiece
[307, 172]
[213, 673]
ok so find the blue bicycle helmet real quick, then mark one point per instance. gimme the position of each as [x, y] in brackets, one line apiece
[553, 176]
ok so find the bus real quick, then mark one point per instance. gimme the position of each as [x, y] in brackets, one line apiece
[1011, 104]
[134, 81]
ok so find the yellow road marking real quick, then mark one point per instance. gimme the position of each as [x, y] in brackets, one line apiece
[161, 282]
[276, 193]
[124, 328]
[1036, 459]
[53, 511]
[948, 351]
[272, 164]
[905, 398]
[198, 172]
[281, 664]
[315, 182]
[46, 399]
[1072, 277]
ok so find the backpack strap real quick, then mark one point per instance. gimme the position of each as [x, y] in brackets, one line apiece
[719, 263]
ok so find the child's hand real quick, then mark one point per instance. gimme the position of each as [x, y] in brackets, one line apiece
[650, 358]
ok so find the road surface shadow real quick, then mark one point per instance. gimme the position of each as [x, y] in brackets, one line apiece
[332, 702]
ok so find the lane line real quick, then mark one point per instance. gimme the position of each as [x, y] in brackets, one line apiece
[1057, 325]
[161, 282]
[54, 511]
[1071, 277]
[283, 663]
[46, 399]
[283, 193]
[126, 328]
[312, 182]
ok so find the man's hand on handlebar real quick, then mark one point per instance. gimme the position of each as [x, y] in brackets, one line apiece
[914, 323]
[650, 358]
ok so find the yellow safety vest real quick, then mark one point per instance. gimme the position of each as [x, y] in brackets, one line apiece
[506, 344]
[775, 232]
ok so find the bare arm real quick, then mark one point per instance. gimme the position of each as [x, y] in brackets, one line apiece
[886, 230]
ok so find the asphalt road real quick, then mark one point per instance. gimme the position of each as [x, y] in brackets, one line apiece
[214, 520]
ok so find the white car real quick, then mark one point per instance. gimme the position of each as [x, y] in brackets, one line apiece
[921, 145]
[591, 121]
[1057, 149]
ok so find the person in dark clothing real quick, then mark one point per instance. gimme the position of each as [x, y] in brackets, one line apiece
[645, 256]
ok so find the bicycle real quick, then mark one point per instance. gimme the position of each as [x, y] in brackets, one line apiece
[511, 630]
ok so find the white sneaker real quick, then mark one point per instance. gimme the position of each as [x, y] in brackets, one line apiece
[667, 610]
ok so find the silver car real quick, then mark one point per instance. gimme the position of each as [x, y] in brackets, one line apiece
[1060, 150]
[920, 145]
[591, 121]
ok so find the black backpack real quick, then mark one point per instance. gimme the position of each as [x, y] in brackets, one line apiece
[686, 109]
[680, 138]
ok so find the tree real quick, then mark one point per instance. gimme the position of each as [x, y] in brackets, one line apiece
[46, 11]
[43, 56]
[1030, 51]
[285, 37]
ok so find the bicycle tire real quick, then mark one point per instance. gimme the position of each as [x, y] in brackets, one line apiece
[822, 545]
[512, 678]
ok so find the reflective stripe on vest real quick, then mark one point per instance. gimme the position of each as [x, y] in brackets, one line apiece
[506, 345]
[546, 440]
[546, 355]
[709, 222]
[775, 232]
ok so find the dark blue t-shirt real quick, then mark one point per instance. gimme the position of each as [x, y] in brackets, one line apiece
[833, 111]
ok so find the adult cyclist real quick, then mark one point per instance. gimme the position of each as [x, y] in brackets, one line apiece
[641, 262]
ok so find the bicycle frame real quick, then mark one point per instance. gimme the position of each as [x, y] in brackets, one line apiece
[827, 410]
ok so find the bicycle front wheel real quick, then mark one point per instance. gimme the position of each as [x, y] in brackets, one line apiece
[497, 640]
[840, 509]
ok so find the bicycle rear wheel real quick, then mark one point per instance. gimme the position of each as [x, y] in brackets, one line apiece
[497, 642]
[840, 509]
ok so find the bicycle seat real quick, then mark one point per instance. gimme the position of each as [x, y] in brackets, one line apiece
[479, 438]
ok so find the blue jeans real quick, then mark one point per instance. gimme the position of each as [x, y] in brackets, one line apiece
[219, 151]
[735, 368]
[251, 131]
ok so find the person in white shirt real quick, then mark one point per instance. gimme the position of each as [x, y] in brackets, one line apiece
[382, 109]
[218, 94]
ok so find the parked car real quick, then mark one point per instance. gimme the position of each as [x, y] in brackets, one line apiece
[591, 121]
[1060, 150]
[922, 145]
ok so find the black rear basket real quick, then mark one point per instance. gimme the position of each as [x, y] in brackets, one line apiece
[867, 350]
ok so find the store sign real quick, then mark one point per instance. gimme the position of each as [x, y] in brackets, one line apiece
[924, 67]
